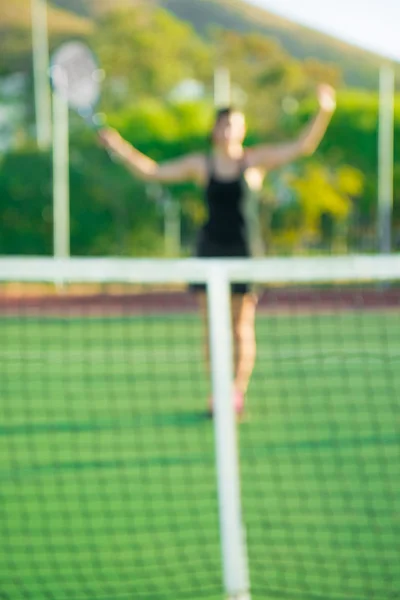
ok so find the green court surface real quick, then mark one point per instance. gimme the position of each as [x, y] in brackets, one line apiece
[107, 477]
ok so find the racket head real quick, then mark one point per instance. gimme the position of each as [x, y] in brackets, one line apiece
[76, 76]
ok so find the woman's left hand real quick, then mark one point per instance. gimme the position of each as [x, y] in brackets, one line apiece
[326, 98]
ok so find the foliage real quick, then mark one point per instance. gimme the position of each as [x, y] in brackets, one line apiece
[129, 42]
[327, 201]
[268, 75]
[16, 34]
[359, 68]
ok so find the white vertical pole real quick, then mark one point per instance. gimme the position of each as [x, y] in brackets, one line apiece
[40, 48]
[234, 554]
[61, 224]
[172, 227]
[386, 157]
[222, 87]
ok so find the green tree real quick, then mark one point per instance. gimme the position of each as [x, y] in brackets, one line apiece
[16, 33]
[326, 198]
[146, 51]
[268, 75]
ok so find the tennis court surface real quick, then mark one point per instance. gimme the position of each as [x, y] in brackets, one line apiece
[107, 463]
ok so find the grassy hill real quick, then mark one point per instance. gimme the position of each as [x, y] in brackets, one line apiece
[360, 68]
[16, 35]
[75, 18]
[94, 8]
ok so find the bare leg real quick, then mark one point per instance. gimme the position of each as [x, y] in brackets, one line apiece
[243, 327]
[244, 339]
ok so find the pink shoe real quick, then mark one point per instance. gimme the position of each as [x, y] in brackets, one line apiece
[238, 402]
[238, 399]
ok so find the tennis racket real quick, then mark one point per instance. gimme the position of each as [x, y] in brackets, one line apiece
[76, 76]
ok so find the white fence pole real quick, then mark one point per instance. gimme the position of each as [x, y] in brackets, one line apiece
[222, 88]
[40, 50]
[386, 158]
[172, 226]
[61, 219]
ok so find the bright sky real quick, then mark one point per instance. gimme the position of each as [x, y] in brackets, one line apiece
[371, 24]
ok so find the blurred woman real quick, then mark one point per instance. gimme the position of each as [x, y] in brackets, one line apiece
[229, 174]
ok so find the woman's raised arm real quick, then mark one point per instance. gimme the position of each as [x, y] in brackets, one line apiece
[187, 168]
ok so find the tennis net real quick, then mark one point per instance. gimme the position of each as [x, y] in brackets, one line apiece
[116, 484]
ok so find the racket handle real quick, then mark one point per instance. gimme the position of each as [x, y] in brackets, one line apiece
[99, 121]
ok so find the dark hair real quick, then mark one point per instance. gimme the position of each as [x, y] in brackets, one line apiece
[221, 113]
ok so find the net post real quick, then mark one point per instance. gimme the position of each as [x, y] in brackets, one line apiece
[234, 553]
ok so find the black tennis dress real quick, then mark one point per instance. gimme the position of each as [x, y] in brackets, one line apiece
[231, 230]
